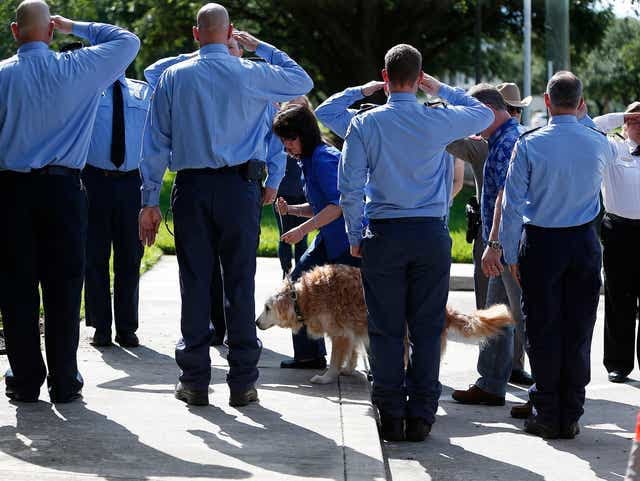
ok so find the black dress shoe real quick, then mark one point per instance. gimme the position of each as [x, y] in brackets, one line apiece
[243, 398]
[618, 376]
[569, 431]
[391, 429]
[319, 363]
[68, 398]
[22, 397]
[521, 377]
[192, 396]
[417, 429]
[101, 339]
[546, 431]
[128, 339]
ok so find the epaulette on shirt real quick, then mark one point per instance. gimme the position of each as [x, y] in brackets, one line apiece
[365, 108]
[435, 105]
[530, 131]
[599, 131]
[619, 135]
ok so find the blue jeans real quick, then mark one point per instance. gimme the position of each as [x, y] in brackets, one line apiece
[305, 348]
[496, 354]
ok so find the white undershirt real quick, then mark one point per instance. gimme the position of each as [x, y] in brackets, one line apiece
[621, 181]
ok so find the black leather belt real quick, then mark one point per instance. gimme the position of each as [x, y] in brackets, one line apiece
[112, 173]
[405, 220]
[220, 170]
[55, 170]
[623, 220]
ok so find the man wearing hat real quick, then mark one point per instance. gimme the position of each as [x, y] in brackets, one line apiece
[511, 95]
[620, 234]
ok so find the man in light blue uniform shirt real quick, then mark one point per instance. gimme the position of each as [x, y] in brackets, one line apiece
[208, 122]
[48, 103]
[395, 156]
[276, 168]
[553, 187]
[112, 179]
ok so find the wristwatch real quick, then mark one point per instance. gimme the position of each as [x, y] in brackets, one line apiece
[494, 244]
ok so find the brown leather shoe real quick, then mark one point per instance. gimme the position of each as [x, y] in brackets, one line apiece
[521, 411]
[475, 395]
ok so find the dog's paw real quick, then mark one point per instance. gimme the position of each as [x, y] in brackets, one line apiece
[326, 378]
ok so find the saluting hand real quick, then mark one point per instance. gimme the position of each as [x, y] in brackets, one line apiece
[429, 84]
[282, 206]
[248, 41]
[62, 25]
[372, 87]
[148, 224]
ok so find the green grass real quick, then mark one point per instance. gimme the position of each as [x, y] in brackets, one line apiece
[461, 251]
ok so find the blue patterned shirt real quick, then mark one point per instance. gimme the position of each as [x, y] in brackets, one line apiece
[501, 145]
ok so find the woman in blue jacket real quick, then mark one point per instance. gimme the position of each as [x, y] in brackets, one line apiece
[298, 129]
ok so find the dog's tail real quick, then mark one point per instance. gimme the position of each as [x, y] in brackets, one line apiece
[482, 324]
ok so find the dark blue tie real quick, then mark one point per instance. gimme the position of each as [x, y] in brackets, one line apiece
[118, 136]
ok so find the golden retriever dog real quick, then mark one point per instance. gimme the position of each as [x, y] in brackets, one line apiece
[330, 300]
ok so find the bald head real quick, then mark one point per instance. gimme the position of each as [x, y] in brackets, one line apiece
[33, 22]
[213, 25]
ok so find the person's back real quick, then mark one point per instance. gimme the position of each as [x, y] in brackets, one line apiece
[549, 149]
[55, 93]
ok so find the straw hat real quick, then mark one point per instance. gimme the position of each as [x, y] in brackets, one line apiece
[511, 95]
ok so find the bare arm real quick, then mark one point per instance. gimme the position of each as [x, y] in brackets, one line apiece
[327, 215]
[458, 177]
[492, 257]
[300, 210]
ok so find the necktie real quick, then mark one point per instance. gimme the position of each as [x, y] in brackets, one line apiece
[118, 136]
[636, 152]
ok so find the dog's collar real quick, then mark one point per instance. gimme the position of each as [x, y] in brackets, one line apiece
[296, 306]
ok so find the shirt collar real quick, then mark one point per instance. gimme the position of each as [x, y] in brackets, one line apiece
[402, 97]
[33, 47]
[214, 48]
[509, 124]
[564, 119]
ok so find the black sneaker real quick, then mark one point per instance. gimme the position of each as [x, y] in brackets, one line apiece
[618, 376]
[239, 399]
[68, 398]
[128, 340]
[417, 429]
[521, 377]
[101, 339]
[191, 396]
[391, 429]
[22, 397]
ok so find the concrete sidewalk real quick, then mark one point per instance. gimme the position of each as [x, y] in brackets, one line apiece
[129, 426]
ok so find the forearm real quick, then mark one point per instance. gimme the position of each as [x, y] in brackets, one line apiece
[458, 177]
[326, 216]
[334, 112]
[609, 122]
[497, 217]
[300, 210]
[291, 79]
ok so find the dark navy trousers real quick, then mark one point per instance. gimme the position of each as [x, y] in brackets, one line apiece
[114, 206]
[405, 270]
[45, 221]
[216, 214]
[218, 302]
[560, 276]
[305, 348]
[285, 224]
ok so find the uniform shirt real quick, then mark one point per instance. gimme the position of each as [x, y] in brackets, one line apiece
[216, 110]
[395, 155]
[501, 144]
[335, 113]
[621, 181]
[48, 100]
[136, 96]
[554, 179]
[320, 181]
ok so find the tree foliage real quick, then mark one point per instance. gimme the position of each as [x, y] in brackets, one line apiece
[343, 42]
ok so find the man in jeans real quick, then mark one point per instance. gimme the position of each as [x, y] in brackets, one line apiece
[496, 355]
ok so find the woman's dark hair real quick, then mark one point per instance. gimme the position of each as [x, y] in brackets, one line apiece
[298, 122]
